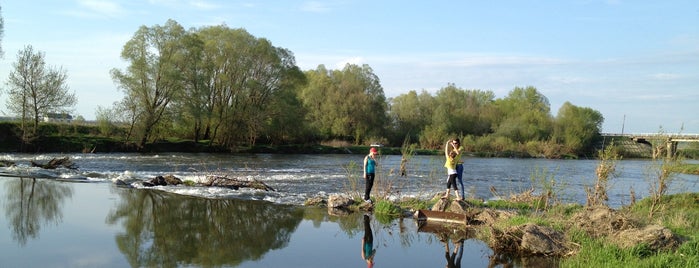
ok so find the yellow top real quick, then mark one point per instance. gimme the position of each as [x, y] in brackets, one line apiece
[450, 163]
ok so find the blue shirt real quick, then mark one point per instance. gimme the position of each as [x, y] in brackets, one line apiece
[370, 165]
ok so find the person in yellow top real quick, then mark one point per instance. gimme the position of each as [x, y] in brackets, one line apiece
[451, 173]
[455, 146]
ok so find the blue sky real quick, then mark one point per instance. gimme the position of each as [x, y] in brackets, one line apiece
[636, 62]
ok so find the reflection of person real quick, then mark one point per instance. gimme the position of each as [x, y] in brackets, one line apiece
[455, 146]
[368, 250]
[369, 173]
[451, 173]
[454, 259]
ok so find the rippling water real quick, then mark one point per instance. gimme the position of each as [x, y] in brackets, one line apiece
[78, 218]
[298, 177]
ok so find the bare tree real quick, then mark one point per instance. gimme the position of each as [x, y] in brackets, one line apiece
[35, 89]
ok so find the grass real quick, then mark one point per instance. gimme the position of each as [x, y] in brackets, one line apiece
[687, 168]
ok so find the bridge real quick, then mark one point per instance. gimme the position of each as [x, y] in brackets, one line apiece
[658, 140]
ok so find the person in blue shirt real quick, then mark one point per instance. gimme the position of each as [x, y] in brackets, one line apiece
[369, 173]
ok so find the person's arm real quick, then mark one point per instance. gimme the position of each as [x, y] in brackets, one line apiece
[366, 159]
[446, 149]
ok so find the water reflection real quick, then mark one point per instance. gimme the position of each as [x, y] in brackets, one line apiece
[453, 258]
[167, 230]
[368, 250]
[31, 203]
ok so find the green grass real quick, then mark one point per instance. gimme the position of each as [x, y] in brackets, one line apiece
[680, 214]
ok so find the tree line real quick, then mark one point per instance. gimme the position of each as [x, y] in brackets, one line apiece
[227, 87]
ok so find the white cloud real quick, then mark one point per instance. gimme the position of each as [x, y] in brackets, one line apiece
[354, 60]
[98, 8]
[665, 76]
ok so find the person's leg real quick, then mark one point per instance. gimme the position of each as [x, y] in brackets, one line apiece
[460, 177]
[369, 185]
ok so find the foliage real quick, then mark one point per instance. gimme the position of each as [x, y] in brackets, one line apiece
[387, 208]
[36, 90]
[348, 104]
[233, 89]
[660, 174]
[680, 214]
[606, 170]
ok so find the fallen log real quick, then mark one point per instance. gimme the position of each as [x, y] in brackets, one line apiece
[55, 163]
[219, 181]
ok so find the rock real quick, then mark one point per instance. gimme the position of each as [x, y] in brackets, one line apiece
[233, 183]
[55, 163]
[441, 205]
[121, 183]
[542, 240]
[172, 180]
[599, 221]
[459, 206]
[655, 236]
[339, 201]
[491, 216]
[316, 201]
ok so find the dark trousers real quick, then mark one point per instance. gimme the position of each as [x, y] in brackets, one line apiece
[369, 184]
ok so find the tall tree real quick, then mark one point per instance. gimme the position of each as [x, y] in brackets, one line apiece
[577, 128]
[153, 76]
[410, 113]
[36, 89]
[525, 116]
[243, 74]
[347, 103]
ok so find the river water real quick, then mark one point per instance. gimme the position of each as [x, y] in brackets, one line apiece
[80, 218]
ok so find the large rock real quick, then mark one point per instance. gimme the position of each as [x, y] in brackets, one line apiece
[542, 240]
[339, 201]
[655, 236]
[163, 181]
[600, 221]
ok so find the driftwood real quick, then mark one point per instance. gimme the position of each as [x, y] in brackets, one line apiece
[55, 163]
[233, 183]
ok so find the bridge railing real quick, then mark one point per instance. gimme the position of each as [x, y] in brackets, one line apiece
[691, 137]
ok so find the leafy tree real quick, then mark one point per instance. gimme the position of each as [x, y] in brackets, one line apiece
[36, 89]
[241, 74]
[191, 105]
[577, 128]
[153, 77]
[286, 122]
[347, 103]
[525, 116]
[410, 114]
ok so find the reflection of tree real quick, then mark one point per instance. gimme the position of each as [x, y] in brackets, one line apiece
[31, 202]
[166, 230]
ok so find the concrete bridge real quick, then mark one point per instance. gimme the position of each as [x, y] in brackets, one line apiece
[658, 141]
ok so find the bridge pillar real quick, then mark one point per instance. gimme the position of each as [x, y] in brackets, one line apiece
[671, 149]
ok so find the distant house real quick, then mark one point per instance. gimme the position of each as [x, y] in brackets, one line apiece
[58, 117]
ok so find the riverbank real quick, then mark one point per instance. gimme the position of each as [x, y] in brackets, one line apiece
[524, 227]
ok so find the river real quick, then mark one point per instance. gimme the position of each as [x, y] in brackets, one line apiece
[80, 218]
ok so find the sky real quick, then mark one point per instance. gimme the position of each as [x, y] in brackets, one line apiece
[636, 62]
